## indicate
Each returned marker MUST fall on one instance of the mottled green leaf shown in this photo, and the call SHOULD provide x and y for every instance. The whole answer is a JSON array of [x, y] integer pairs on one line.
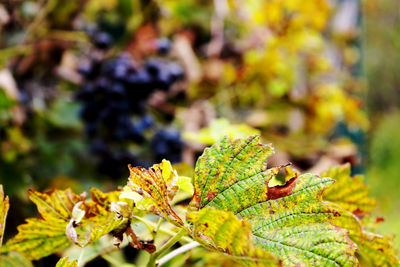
[[231, 175], [64, 262], [290, 221]]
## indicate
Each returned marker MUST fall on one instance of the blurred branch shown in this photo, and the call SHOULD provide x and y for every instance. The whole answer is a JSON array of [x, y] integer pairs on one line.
[[11, 52], [48, 7], [221, 10], [71, 36]]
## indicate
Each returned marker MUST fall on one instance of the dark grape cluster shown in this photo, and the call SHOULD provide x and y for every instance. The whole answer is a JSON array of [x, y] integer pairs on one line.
[[114, 96], [167, 145]]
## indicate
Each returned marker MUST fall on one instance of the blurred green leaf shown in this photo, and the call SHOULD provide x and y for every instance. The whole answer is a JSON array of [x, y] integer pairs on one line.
[[64, 114]]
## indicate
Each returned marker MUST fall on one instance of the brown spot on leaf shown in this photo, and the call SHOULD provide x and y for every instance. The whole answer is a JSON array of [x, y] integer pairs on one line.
[[359, 213], [280, 191], [379, 219], [336, 214], [211, 195]]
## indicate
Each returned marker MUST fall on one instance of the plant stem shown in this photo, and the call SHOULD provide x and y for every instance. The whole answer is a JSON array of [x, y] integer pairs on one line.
[[165, 247], [176, 252], [81, 257], [155, 230], [163, 229]]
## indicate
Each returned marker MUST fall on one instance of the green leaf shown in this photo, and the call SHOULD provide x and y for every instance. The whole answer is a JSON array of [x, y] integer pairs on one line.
[[5, 102], [14, 259], [64, 262], [235, 170], [290, 221], [64, 114], [348, 192], [4, 206]]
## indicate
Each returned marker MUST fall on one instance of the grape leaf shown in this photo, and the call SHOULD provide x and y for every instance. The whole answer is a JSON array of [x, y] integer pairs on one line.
[[151, 189], [95, 219], [40, 237], [352, 196], [224, 232], [65, 217], [4, 206], [290, 221], [378, 249], [64, 262], [349, 193]]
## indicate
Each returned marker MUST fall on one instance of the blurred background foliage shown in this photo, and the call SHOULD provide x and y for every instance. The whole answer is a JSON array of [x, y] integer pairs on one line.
[[87, 87], [381, 52]]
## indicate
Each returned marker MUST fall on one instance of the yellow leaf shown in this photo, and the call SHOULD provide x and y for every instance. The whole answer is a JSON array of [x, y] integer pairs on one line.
[[96, 218], [353, 200], [40, 237], [156, 186], [4, 206], [64, 262], [66, 217], [55, 205], [348, 192], [218, 129], [224, 232], [185, 184], [14, 259]]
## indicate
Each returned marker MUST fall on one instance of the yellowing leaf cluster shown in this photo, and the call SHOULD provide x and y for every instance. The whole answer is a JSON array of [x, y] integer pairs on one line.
[[240, 208]]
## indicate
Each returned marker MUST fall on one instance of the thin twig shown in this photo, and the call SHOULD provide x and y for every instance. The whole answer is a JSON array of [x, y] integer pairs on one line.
[[176, 252], [165, 247]]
